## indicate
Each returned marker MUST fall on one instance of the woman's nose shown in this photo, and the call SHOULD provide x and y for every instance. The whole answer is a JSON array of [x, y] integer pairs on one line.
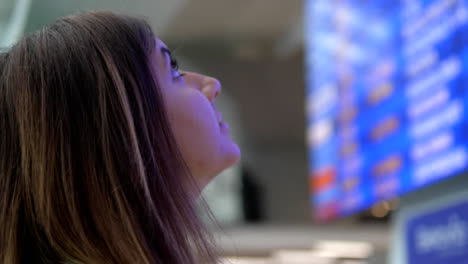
[[211, 88]]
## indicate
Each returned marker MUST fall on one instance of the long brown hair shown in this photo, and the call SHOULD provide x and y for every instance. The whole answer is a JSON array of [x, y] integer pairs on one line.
[[89, 169]]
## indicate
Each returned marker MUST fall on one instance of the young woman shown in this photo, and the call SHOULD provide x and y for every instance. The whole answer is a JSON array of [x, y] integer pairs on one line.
[[105, 146]]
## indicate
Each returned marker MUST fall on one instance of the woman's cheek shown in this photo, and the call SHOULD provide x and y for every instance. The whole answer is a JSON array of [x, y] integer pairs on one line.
[[196, 130]]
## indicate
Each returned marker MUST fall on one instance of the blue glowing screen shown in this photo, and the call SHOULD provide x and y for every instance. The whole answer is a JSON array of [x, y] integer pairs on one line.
[[386, 99]]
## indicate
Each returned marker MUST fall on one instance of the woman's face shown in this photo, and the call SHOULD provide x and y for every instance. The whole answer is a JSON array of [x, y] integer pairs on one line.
[[201, 134]]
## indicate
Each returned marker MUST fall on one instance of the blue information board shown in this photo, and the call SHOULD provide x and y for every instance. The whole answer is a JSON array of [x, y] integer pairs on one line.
[[386, 99], [439, 237]]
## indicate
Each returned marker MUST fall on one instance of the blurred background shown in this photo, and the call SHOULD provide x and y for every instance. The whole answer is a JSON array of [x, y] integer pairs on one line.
[[293, 74]]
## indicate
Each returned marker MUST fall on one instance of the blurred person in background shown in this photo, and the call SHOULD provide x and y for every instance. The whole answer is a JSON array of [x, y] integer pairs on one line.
[[105, 146]]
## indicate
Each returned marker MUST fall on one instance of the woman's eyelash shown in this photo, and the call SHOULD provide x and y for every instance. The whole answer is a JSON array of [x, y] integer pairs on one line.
[[175, 68], [174, 64]]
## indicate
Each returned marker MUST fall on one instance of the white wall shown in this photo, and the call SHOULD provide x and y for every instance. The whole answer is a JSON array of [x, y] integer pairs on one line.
[[14, 15]]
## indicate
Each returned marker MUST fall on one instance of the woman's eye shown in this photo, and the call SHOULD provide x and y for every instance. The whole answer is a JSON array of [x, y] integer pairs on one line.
[[174, 64], [175, 69]]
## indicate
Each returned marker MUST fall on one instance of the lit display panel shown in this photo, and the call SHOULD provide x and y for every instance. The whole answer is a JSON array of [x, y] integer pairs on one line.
[[386, 99]]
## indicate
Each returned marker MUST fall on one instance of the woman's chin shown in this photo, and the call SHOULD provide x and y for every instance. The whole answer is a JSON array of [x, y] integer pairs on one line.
[[229, 157], [232, 155]]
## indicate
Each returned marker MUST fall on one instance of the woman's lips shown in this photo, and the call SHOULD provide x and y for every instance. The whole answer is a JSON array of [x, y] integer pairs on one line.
[[224, 127]]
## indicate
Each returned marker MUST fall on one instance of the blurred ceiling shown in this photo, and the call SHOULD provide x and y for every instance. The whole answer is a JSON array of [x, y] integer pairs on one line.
[[234, 18], [187, 19], [158, 12]]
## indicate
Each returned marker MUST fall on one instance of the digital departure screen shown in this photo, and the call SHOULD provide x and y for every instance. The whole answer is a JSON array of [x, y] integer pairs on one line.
[[386, 99]]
